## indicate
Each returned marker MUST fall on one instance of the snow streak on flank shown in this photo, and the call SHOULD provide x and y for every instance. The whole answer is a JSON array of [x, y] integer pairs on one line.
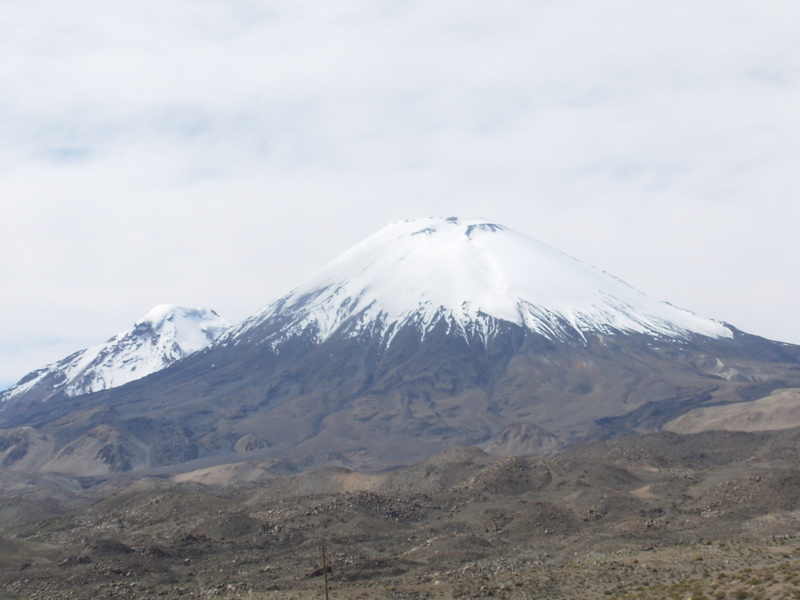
[[470, 274], [164, 335]]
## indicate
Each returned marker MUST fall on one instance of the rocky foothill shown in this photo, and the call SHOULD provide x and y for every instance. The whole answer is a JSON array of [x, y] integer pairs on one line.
[[712, 515]]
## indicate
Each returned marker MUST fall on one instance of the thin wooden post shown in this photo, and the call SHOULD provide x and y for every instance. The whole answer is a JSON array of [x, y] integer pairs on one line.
[[325, 570]]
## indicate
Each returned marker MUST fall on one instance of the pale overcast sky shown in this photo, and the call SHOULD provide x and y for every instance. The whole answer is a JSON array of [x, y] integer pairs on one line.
[[215, 153]]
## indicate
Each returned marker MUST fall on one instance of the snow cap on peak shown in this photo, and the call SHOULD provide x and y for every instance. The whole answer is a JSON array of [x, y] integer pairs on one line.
[[165, 312], [185, 328], [470, 272]]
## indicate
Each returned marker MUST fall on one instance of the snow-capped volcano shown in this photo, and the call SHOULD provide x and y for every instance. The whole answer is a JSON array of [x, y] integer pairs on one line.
[[470, 274], [164, 335], [429, 334]]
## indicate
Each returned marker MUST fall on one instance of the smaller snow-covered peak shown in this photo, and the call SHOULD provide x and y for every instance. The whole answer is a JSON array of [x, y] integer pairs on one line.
[[164, 335], [471, 273]]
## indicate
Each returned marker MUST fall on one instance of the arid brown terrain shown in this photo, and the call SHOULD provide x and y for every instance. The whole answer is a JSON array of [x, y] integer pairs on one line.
[[708, 515]]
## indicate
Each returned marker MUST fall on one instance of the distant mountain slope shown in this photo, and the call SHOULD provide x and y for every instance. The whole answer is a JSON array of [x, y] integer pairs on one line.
[[164, 335], [779, 410]]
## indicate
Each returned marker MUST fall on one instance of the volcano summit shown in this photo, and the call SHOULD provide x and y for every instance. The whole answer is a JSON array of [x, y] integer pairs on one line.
[[431, 333], [471, 275]]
